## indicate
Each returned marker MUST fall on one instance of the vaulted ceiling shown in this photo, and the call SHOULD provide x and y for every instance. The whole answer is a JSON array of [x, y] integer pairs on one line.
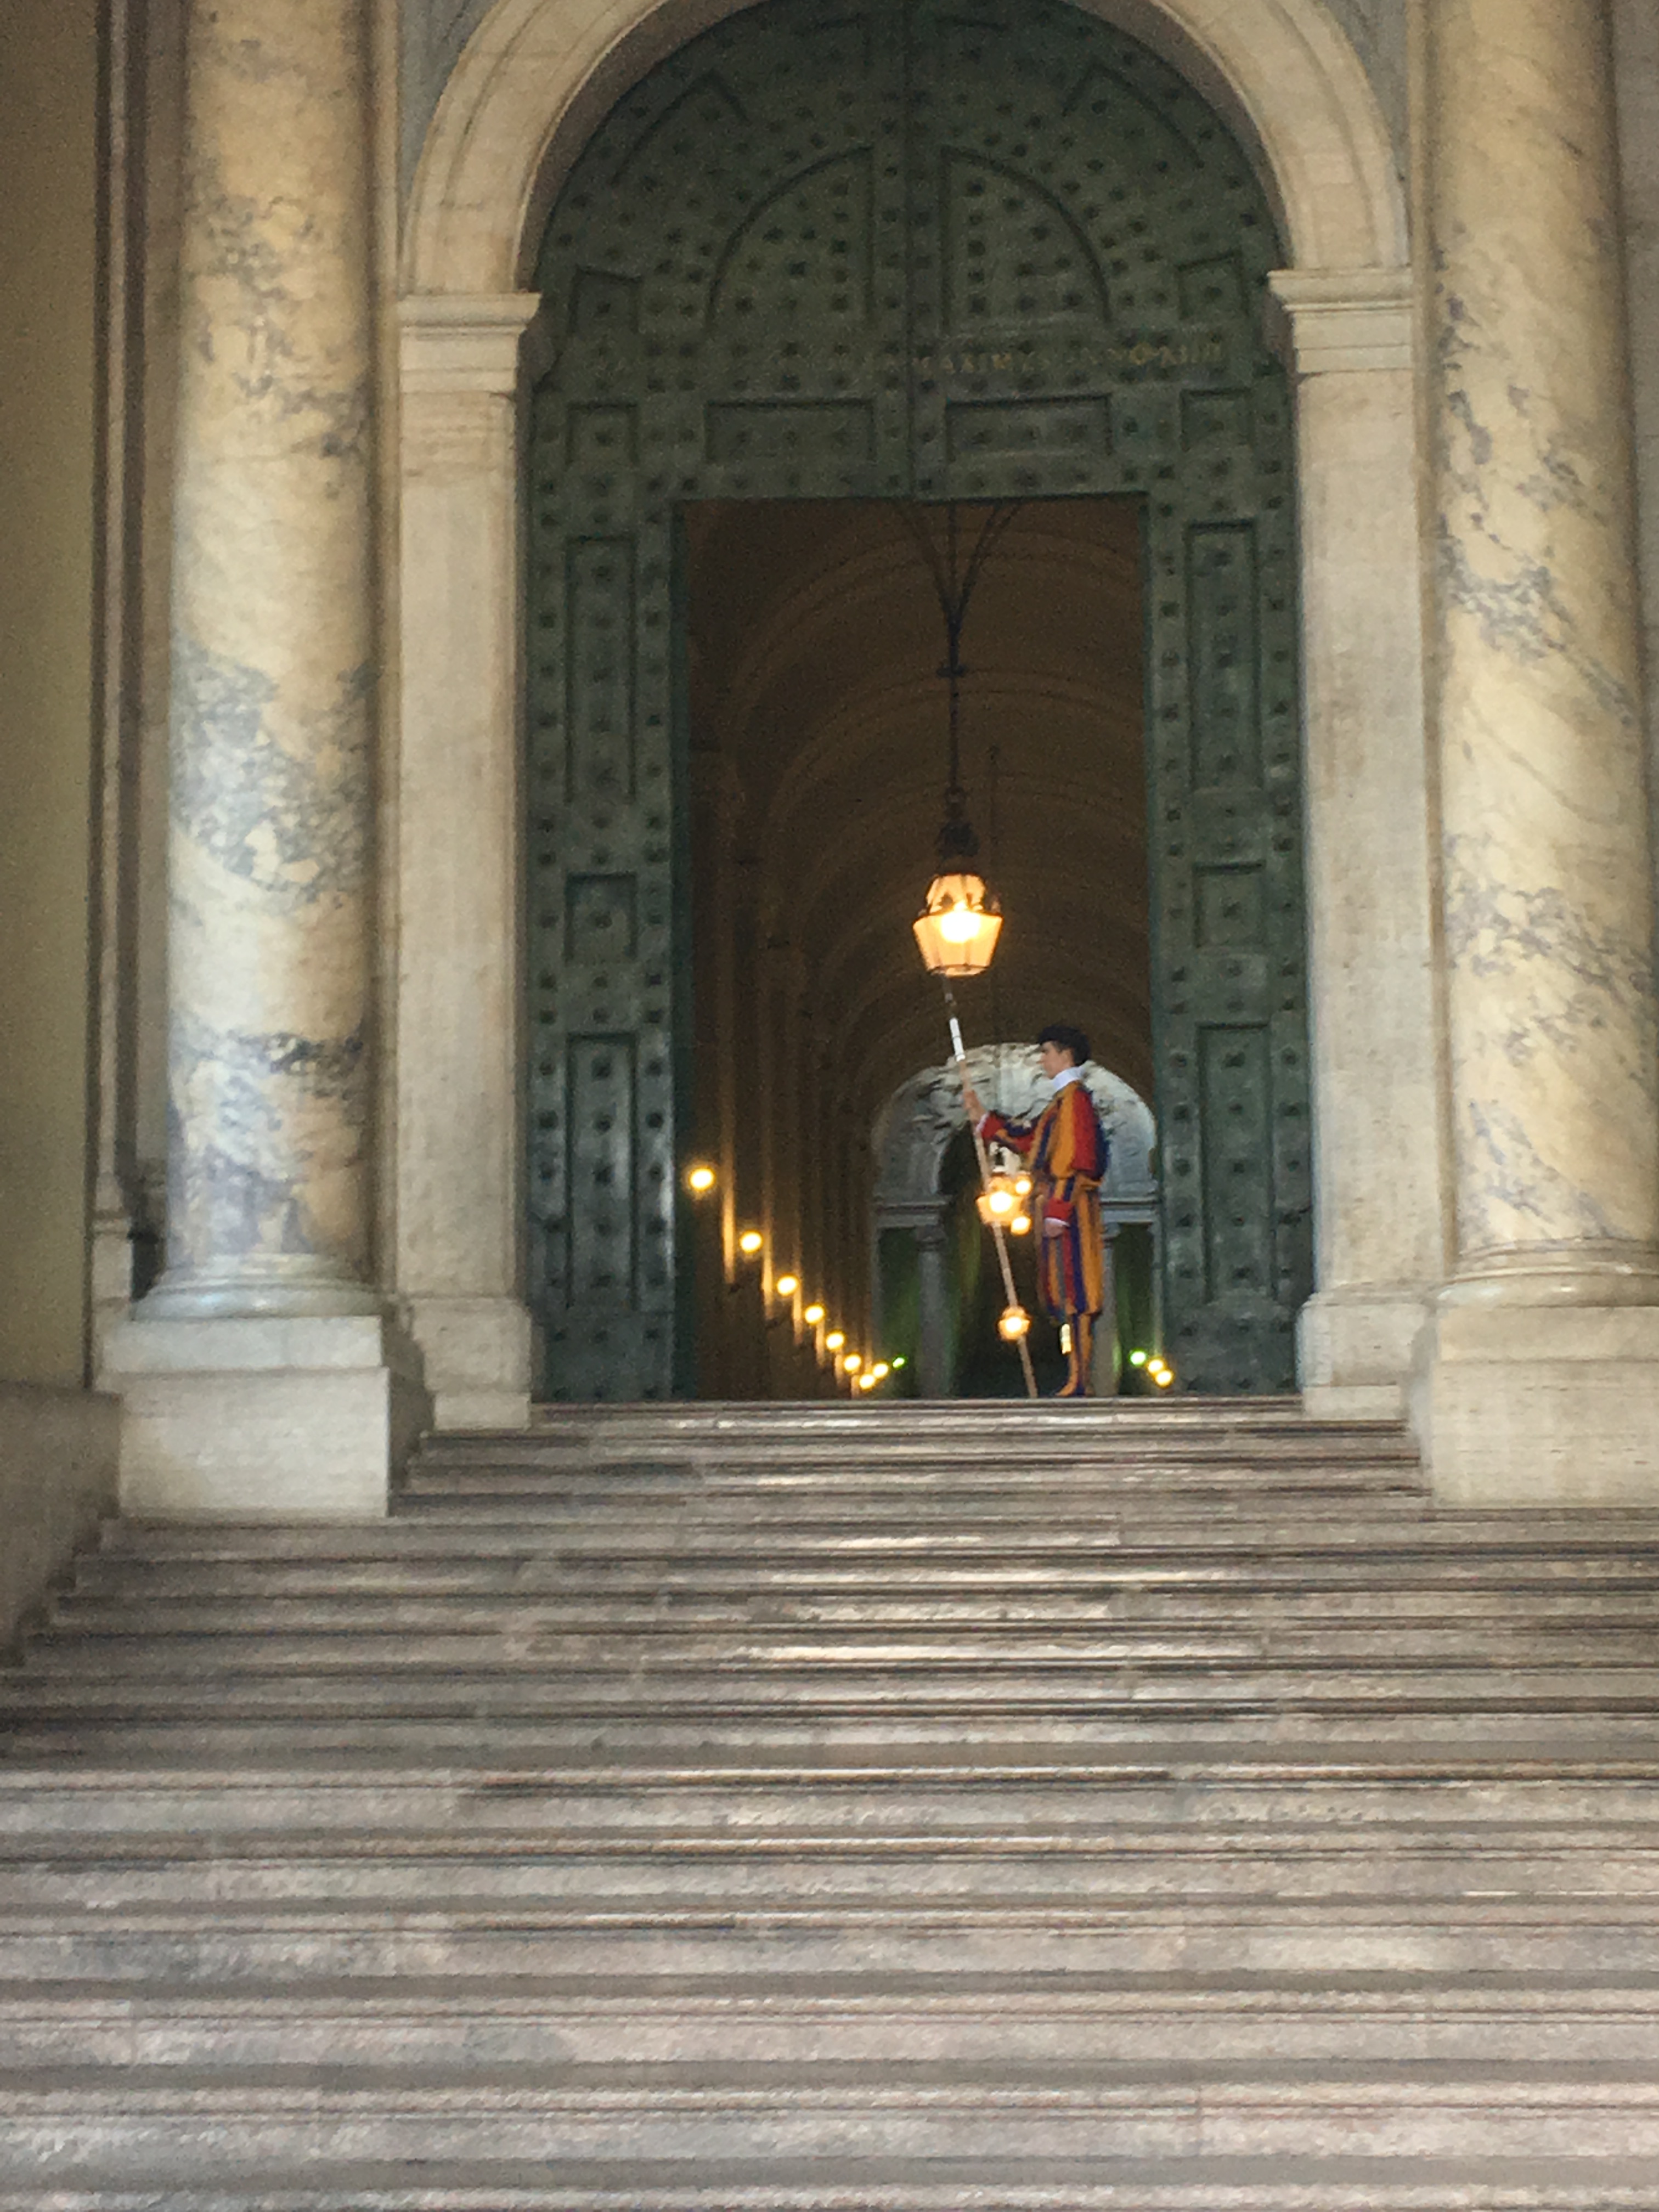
[[815, 640]]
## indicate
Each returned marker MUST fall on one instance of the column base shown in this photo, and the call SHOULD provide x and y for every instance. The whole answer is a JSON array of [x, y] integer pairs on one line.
[[1539, 1405], [257, 1418], [1355, 1349], [478, 1354]]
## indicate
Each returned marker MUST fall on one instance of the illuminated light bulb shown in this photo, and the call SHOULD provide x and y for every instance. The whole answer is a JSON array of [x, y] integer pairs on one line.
[[1023, 1186], [701, 1179], [751, 1242], [866, 1381], [901, 1362], [852, 1362], [1137, 1359], [787, 1285], [880, 1371], [1013, 1324], [997, 1201], [957, 928], [1163, 1378], [1020, 1225], [834, 1341], [813, 1315]]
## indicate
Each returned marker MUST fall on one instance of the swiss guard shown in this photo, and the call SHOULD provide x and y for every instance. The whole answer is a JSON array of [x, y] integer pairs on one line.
[[1066, 1151]]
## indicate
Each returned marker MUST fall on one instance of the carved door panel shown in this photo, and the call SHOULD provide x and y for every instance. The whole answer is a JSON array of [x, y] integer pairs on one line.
[[887, 252]]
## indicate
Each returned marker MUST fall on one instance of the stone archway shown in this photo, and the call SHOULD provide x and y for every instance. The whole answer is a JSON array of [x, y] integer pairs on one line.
[[531, 84], [536, 76]]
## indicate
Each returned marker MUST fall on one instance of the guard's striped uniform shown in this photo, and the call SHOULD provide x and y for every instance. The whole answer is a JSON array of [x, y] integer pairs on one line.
[[1066, 1151]]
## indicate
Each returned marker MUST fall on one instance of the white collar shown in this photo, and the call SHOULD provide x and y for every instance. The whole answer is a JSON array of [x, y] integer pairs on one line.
[[1058, 1083]]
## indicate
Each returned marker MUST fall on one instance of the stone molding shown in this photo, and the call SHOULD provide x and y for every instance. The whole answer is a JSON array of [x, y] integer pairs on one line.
[[459, 344], [463, 361], [1335, 321], [537, 76]]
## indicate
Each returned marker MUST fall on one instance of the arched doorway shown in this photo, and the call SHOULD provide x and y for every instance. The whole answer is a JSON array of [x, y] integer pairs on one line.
[[535, 79], [892, 254]]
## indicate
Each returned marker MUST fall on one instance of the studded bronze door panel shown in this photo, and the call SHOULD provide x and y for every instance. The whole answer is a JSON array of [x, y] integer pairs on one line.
[[911, 251]]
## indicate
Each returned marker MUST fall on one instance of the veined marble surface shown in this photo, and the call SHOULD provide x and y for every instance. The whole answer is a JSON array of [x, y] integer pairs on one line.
[[1547, 897], [271, 783]]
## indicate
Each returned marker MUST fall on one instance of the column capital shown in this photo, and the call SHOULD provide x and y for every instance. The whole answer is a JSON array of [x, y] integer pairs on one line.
[[453, 342], [1325, 321]]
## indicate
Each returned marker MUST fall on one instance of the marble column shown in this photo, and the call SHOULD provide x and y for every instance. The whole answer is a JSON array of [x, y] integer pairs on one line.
[[1543, 1380], [271, 795]]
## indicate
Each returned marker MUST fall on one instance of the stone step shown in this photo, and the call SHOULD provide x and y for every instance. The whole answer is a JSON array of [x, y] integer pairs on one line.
[[1435, 1590], [1340, 2184], [965, 2019], [171, 2120], [909, 1463], [166, 1675], [1204, 1531], [1335, 1783], [919, 1485], [1566, 1544], [285, 1740], [384, 1871], [947, 1436], [1040, 1510], [703, 1933], [1005, 1425], [436, 1592], [138, 1637]]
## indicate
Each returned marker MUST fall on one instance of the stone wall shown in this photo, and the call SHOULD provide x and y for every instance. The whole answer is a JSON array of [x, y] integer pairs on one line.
[[1636, 53], [58, 1458], [48, 269]]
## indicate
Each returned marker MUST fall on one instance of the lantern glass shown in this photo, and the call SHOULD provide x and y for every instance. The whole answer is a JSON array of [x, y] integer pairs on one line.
[[957, 928]]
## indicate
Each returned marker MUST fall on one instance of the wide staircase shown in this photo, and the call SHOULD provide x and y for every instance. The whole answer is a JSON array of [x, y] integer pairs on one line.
[[845, 1809]]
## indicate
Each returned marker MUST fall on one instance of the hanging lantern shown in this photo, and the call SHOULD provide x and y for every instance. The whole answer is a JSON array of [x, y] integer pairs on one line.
[[961, 920], [957, 928]]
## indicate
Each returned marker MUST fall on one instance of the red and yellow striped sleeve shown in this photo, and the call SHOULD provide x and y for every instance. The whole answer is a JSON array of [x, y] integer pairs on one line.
[[1017, 1135]]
